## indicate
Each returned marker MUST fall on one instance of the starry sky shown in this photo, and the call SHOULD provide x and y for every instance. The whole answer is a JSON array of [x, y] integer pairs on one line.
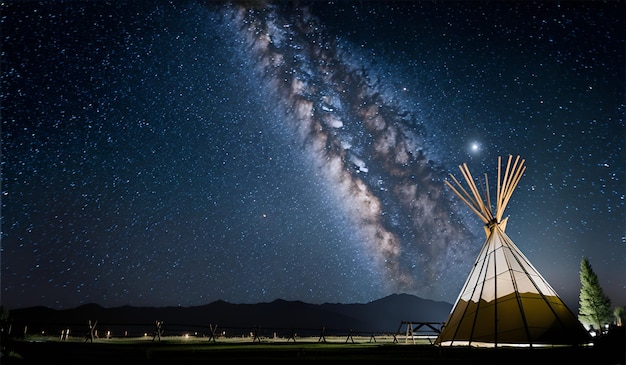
[[174, 153]]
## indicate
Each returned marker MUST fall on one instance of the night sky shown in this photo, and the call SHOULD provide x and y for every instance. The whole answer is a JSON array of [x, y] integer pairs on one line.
[[178, 153]]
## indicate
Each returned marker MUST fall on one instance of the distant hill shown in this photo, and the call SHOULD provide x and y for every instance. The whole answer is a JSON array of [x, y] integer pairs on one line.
[[383, 315]]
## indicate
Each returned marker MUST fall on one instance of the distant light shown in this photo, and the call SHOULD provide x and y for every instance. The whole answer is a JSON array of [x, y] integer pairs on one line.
[[475, 147]]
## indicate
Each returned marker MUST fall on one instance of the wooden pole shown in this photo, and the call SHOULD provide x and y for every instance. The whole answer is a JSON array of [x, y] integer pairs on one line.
[[481, 204]]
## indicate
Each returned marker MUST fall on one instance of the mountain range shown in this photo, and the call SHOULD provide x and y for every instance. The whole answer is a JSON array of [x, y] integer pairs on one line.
[[383, 315]]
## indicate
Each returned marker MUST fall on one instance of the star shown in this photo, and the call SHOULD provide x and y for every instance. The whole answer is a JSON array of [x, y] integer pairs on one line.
[[475, 147]]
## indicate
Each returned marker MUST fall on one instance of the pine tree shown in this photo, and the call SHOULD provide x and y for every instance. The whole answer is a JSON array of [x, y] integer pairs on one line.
[[620, 315], [594, 306]]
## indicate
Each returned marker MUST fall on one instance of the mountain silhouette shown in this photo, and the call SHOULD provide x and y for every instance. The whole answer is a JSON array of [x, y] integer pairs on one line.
[[382, 315]]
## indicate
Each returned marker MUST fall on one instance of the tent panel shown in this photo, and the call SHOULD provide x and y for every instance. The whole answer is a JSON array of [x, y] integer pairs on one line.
[[500, 261], [488, 292], [458, 313], [493, 242], [509, 315], [459, 325], [485, 326], [524, 283], [538, 312], [465, 329], [490, 271], [542, 285], [513, 263], [504, 284], [472, 284], [517, 335], [555, 301]]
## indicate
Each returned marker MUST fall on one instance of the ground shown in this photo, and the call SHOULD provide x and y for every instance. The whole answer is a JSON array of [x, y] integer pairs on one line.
[[336, 350]]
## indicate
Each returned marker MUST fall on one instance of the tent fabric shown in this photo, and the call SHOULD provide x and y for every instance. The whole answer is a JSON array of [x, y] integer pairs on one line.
[[505, 301]]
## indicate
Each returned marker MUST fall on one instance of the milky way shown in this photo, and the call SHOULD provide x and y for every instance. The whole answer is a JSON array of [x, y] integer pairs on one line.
[[180, 153], [372, 153]]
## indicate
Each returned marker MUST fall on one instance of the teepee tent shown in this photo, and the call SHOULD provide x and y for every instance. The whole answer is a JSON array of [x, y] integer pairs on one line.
[[505, 301]]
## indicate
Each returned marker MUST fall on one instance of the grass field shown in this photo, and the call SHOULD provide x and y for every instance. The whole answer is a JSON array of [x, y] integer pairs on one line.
[[336, 350]]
